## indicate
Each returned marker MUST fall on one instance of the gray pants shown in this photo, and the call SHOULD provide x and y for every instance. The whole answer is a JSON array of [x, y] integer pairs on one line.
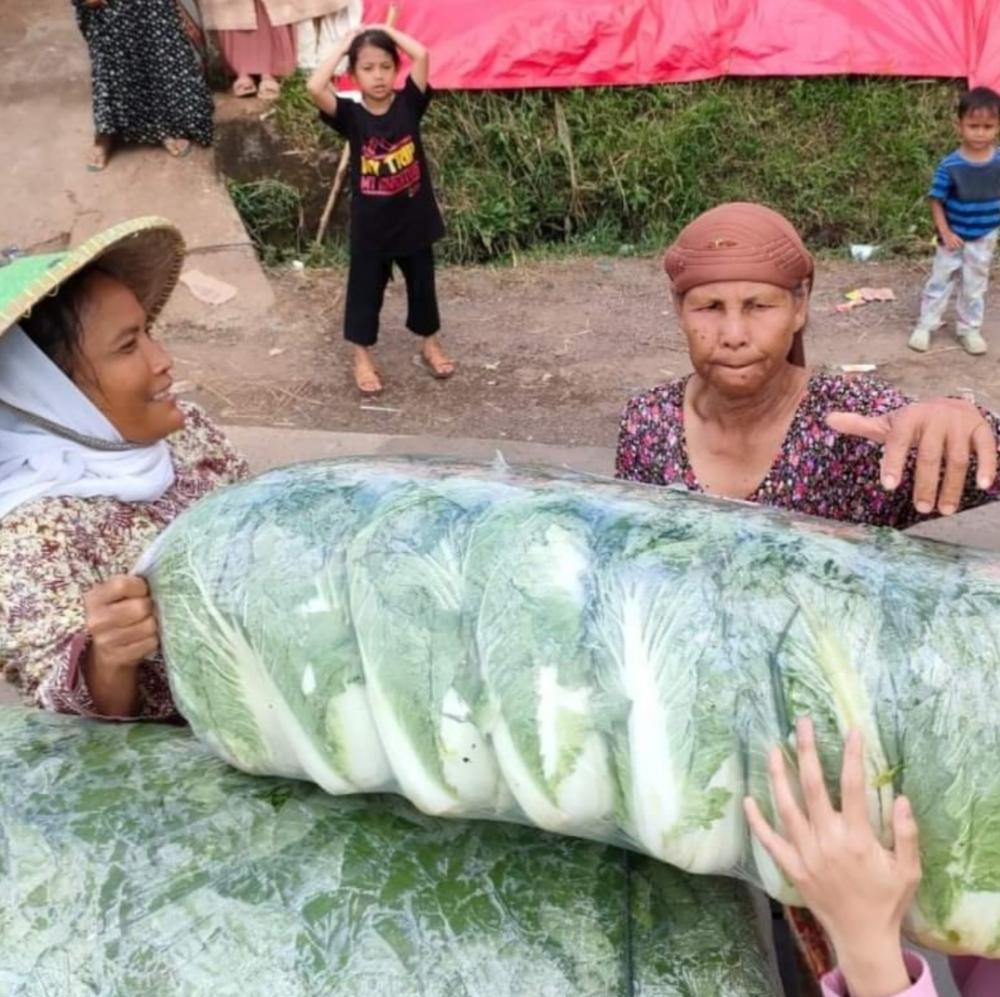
[[969, 267]]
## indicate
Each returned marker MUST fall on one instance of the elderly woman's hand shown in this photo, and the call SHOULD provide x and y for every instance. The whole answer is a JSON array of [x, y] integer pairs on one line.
[[858, 890], [123, 633], [945, 432]]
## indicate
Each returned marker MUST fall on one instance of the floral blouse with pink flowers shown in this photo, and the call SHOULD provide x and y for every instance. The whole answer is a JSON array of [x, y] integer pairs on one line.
[[817, 471], [53, 550]]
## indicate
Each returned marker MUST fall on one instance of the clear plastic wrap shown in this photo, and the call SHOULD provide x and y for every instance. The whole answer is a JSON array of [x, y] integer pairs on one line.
[[134, 864], [603, 660]]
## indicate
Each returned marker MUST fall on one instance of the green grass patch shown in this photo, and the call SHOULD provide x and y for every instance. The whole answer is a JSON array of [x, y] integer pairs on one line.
[[272, 213], [623, 169], [271, 210]]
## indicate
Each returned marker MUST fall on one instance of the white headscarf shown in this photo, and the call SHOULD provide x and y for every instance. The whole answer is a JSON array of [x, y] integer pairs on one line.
[[35, 462]]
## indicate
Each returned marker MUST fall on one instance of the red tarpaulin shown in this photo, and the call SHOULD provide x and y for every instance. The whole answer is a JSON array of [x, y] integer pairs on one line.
[[500, 44]]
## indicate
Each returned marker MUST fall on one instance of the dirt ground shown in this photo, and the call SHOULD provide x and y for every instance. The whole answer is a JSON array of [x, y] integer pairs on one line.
[[547, 351]]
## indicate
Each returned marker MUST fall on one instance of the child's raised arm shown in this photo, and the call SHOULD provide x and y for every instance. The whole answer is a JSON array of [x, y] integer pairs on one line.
[[419, 56], [322, 93]]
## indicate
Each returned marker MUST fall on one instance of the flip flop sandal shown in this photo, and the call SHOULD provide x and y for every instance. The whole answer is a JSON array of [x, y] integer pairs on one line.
[[437, 373], [244, 88]]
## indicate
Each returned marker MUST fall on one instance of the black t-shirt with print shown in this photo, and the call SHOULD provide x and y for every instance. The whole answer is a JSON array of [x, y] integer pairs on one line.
[[393, 210]]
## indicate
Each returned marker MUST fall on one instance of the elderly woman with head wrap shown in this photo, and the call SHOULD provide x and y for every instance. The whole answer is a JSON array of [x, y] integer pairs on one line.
[[97, 456], [753, 422]]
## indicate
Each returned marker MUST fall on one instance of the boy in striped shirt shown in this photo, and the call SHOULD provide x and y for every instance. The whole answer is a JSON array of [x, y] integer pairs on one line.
[[965, 205]]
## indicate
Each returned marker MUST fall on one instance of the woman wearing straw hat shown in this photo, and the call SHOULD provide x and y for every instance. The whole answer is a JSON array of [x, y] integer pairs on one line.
[[97, 456]]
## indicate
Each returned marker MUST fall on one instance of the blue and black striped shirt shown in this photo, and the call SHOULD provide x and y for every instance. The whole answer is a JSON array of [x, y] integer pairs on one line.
[[970, 193]]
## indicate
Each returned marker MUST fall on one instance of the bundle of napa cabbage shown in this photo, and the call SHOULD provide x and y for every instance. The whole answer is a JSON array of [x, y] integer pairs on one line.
[[605, 660], [414, 621]]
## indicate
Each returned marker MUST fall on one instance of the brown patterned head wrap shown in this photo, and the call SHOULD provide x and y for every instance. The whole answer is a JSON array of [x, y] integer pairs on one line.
[[740, 241]]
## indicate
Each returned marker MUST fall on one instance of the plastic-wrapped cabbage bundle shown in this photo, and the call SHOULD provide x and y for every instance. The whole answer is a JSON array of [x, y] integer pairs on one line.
[[134, 864], [604, 660]]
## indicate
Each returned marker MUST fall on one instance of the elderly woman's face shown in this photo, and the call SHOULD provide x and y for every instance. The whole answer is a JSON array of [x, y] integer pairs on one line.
[[739, 333], [120, 368]]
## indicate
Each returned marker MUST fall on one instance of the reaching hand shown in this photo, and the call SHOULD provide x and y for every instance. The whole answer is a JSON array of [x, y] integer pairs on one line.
[[945, 433], [858, 890]]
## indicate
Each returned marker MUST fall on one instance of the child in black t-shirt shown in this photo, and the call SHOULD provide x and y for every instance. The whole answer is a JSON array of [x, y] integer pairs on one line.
[[394, 215]]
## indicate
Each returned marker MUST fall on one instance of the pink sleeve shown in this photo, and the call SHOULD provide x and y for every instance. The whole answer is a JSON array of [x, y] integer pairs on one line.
[[834, 984]]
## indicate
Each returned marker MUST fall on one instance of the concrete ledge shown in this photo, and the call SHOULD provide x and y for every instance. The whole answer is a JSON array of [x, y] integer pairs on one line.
[[266, 447], [975, 528]]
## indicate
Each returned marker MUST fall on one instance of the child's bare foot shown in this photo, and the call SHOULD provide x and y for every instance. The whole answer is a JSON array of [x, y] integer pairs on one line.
[[434, 358], [366, 376]]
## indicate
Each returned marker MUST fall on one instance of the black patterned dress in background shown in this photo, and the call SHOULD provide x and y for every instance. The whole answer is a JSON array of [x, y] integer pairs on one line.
[[146, 74]]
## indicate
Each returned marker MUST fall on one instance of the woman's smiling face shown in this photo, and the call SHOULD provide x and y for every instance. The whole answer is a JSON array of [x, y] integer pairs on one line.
[[118, 365], [740, 333]]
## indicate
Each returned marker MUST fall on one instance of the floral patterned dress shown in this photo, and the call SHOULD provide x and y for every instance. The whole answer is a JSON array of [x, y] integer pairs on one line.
[[53, 550], [147, 82], [817, 472]]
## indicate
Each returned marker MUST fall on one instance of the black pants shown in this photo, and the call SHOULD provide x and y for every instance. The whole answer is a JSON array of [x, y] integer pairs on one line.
[[366, 283]]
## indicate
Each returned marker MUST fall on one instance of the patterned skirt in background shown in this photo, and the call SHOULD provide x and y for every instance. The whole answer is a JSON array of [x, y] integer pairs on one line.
[[146, 74]]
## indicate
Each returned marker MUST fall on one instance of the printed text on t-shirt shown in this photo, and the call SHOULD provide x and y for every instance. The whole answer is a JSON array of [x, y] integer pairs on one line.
[[389, 169]]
